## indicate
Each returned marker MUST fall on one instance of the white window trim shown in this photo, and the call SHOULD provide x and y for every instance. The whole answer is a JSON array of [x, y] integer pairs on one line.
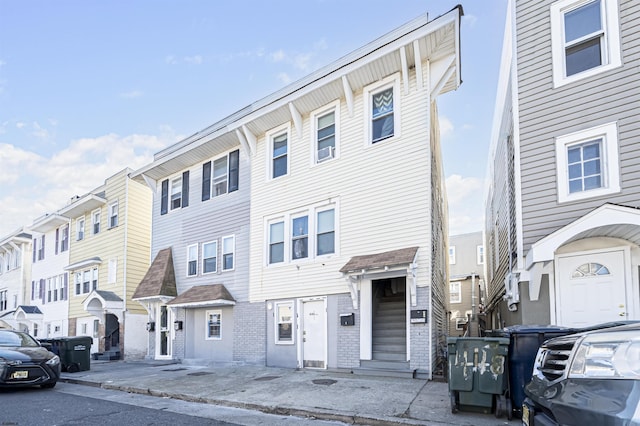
[[111, 215], [215, 242], [460, 322], [612, 56], [270, 135], [480, 254], [368, 91], [206, 328], [459, 298], [170, 193], [189, 260], [276, 322], [332, 107], [212, 184], [93, 217], [268, 222], [78, 228], [233, 251], [610, 166], [452, 255], [310, 239], [316, 212]]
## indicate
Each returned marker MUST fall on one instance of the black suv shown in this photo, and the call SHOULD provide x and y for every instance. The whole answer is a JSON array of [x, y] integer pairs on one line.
[[590, 378]]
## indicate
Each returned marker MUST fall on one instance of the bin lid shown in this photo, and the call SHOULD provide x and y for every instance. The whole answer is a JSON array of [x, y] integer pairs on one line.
[[523, 329]]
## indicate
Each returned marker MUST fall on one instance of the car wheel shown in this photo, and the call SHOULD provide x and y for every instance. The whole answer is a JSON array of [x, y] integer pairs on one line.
[[48, 385]]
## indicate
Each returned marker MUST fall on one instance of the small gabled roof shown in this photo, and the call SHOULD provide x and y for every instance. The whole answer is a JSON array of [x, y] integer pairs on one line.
[[160, 279], [203, 295], [29, 309], [387, 259]]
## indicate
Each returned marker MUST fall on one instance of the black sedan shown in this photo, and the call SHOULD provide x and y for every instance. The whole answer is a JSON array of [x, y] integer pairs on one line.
[[24, 362]]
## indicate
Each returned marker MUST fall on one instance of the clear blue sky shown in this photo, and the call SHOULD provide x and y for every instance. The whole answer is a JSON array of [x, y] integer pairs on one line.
[[90, 87]]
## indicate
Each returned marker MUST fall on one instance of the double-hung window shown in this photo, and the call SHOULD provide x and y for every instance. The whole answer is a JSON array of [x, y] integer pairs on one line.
[[228, 250], [41, 248], [325, 132], [209, 257], [326, 232], [585, 38], [382, 106], [284, 323], [276, 242], [221, 175], [480, 255], [80, 229], [94, 279], [455, 295], [95, 221], [86, 281], [113, 215], [192, 260], [64, 241], [4, 297], [452, 255], [214, 325], [588, 163], [280, 145], [300, 237], [174, 193]]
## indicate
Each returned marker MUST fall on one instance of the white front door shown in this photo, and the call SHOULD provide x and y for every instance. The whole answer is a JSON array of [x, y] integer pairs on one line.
[[163, 333], [591, 289], [314, 336]]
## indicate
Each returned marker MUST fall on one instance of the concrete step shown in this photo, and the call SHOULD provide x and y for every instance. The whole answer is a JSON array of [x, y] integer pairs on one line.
[[381, 372], [388, 365]]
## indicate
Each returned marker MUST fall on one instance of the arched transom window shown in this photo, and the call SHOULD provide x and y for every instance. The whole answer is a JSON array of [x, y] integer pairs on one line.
[[591, 269]]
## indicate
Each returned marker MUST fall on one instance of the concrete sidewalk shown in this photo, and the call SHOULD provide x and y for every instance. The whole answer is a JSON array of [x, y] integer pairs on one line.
[[317, 394]]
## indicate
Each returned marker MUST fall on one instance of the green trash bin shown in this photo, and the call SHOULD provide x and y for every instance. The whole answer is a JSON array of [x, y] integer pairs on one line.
[[478, 374], [75, 353]]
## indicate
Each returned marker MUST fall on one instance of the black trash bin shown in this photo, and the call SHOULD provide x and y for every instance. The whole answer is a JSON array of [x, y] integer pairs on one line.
[[524, 341], [51, 344], [75, 353]]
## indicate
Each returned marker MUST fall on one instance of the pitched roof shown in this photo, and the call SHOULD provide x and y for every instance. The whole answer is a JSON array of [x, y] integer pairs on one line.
[[391, 258], [160, 279], [30, 309], [204, 295]]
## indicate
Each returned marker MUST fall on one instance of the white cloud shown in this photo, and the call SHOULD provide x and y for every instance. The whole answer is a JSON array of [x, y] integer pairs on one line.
[[193, 60], [32, 185], [170, 59], [466, 204], [278, 56], [284, 78], [469, 20], [446, 127], [20, 124], [131, 95]]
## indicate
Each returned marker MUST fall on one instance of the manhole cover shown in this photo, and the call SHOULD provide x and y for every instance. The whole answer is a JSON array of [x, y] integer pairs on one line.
[[325, 382], [175, 369], [200, 373], [266, 378]]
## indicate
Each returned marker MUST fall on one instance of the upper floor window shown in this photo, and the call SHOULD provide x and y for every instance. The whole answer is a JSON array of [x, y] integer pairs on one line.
[[228, 250], [113, 214], [276, 242], [585, 38], [192, 260], [455, 296], [86, 281], [80, 228], [64, 239], [299, 237], [480, 255], [95, 221], [4, 297], [278, 151], [588, 163], [326, 231], [452, 255], [40, 244], [209, 257], [174, 193], [221, 175], [325, 132], [382, 110]]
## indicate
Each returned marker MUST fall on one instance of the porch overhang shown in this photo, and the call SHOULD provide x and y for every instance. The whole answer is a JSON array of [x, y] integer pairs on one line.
[[101, 302], [82, 204], [608, 220], [381, 265], [28, 313], [86, 263], [49, 222], [203, 296]]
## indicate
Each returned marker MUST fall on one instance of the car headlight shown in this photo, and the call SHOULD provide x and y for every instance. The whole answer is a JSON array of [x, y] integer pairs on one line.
[[613, 355], [54, 361]]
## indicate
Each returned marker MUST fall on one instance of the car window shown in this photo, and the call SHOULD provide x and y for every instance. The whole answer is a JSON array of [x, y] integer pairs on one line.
[[10, 338]]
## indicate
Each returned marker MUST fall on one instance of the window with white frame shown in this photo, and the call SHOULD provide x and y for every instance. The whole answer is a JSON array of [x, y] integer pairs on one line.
[[455, 295], [192, 260], [41, 241], [276, 242], [49, 290], [228, 250], [480, 255], [86, 281], [452, 255], [382, 110], [4, 297], [284, 323], [221, 175], [113, 214], [588, 163], [325, 132], [95, 221], [299, 237], [214, 325], [96, 328], [94, 279], [279, 151], [326, 232], [585, 38], [209, 257], [80, 228], [64, 238], [176, 193]]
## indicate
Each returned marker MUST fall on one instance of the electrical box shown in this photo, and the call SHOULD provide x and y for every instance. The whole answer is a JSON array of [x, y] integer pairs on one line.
[[418, 316], [348, 319]]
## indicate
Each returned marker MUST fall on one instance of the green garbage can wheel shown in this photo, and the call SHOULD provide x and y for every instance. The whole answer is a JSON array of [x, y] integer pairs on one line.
[[454, 402], [500, 405], [73, 368]]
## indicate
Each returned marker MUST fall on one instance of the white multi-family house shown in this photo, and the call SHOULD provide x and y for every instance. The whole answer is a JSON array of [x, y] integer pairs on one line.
[[49, 290], [196, 291], [562, 217], [15, 277]]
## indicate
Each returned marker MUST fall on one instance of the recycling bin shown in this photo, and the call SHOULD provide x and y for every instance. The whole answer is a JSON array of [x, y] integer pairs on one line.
[[477, 374], [75, 353], [52, 345], [524, 341]]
